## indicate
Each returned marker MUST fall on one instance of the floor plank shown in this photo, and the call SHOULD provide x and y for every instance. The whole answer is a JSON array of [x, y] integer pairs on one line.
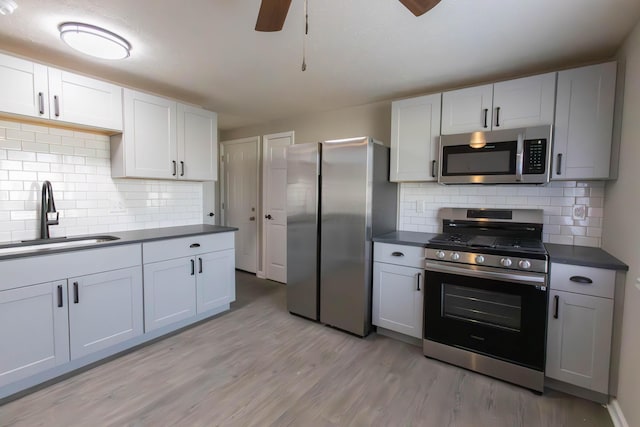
[[257, 365]]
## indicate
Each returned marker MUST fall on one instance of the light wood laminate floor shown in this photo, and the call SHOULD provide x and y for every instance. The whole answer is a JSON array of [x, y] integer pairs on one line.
[[260, 366]]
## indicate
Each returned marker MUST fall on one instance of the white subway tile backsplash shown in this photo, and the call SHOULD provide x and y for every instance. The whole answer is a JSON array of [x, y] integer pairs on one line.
[[557, 200], [88, 199]]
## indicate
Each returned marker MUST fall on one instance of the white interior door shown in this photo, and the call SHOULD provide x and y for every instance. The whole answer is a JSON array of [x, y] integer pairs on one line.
[[275, 205], [240, 160]]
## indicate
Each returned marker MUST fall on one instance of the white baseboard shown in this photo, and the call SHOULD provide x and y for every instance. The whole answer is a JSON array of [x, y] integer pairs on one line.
[[261, 275], [615, 412]]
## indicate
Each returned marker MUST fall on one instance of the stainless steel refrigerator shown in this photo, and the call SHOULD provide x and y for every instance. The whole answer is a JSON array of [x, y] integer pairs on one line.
[[338, 197]]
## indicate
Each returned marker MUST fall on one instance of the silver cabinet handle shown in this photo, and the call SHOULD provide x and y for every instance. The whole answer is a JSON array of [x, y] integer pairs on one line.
[[41, 102], [56, 105], [418, 282]]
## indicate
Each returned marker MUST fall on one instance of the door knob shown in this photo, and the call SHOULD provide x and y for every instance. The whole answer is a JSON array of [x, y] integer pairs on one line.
[[211, 214], [252, 218], [268, 216]]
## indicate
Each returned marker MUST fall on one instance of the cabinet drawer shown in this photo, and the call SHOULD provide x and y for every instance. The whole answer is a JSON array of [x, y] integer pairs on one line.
[[186, 246], [602, 280], [411, 256]]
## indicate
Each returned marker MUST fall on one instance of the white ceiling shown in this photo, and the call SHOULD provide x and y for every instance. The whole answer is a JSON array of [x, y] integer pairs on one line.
[[358, 51]]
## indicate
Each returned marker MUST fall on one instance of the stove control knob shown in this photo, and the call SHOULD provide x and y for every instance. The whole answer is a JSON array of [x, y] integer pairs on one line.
[[525, 264], [455, 256], [480, 259], [506, 262], [440, 254]]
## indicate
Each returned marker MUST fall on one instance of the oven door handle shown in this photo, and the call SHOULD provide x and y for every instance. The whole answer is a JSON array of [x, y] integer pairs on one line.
[[484, 274]]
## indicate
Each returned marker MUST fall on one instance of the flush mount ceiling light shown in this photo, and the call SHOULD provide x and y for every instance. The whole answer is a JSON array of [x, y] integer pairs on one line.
[[7, 7], [94, 41]]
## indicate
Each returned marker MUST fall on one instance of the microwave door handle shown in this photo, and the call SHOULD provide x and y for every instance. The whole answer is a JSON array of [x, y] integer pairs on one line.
[[520, 157]]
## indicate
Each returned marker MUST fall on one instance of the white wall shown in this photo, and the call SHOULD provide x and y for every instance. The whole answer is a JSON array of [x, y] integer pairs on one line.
[[621, 234], [88, 199], [420, 202], [366, 120]]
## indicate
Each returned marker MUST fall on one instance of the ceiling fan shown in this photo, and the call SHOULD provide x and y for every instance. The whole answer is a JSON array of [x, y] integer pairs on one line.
[[273, 12]]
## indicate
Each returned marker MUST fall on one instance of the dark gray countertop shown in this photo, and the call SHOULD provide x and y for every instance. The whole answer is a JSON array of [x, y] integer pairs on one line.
[[409, 238], [583, 255], [128, 237]]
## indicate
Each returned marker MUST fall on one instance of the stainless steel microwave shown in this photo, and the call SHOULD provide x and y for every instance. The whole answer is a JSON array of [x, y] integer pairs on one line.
[[511, 156]]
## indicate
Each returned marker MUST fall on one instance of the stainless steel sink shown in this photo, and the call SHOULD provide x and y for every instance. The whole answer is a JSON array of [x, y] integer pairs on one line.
[[58, 243]]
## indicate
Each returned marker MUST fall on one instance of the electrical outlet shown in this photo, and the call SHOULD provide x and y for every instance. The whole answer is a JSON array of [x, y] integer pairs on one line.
[[579, 212], [421, 206]]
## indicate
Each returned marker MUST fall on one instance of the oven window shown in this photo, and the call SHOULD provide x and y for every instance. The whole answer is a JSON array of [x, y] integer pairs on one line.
[[490, 308]]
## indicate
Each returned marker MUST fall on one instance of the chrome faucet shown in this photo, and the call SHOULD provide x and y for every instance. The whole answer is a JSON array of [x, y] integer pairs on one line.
[[47, 206]]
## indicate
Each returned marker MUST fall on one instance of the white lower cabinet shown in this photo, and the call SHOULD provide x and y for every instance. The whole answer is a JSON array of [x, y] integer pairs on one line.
[[187, 276], [104, 309], [398, 293], [34, 330], [169, 292], [398, 298], [215, 283], [580, 326]]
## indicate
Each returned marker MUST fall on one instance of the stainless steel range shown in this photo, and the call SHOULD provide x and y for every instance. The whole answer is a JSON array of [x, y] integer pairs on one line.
[[486, 293]]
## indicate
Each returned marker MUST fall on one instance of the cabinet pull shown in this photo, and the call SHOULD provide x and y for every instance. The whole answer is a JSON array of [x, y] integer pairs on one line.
[[194, 245], [486, 114], [559, 164], [181, 168], [397, 254], [40, 102], [175, 168], [193, 267], [556, 300], [200, 268], [418, 281], [76, 294], [56, 105], [433, 168], [497, 116], [581, 279], [60, 296]]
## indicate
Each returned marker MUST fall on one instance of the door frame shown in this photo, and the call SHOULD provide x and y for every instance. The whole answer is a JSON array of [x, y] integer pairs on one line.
[[265, 150], [223, 192]]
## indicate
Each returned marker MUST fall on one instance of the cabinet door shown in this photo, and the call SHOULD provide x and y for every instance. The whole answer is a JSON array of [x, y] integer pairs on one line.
[[415, 130], [104, 309], [169, 292], [197, 143], [34, 330], [467, 110], [524, 102], [23, 87], [215, 283], [579, 340], [149, 136], [85, 101], [398, 298], [584, 122]]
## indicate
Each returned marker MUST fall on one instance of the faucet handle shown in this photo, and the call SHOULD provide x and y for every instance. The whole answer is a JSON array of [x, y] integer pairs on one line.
[[52, 221]]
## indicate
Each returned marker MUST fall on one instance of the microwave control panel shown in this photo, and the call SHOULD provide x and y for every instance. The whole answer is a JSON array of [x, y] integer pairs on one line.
[[535, 154]]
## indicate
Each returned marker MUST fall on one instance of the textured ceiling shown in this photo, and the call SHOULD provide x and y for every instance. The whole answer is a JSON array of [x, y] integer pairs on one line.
[[358, 51]]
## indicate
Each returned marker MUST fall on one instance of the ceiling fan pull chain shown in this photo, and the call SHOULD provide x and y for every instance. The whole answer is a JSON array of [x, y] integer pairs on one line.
[[304, 40]]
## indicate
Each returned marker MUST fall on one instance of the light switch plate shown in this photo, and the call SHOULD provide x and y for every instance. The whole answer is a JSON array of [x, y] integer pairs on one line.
[[579, 212]]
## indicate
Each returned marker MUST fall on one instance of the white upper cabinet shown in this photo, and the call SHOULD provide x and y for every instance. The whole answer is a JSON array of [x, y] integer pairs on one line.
[[584, 122], [166, 140], [197, 143], [511, 104], [23, 87], [34, 90], [467, 110], [415, 131], [85, 101]]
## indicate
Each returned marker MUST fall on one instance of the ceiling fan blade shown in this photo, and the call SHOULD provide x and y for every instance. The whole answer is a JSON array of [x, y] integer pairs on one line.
[[419, 7], [272, 15]]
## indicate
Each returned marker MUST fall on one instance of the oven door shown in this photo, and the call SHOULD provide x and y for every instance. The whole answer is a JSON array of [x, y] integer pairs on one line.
[[494, 312]]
